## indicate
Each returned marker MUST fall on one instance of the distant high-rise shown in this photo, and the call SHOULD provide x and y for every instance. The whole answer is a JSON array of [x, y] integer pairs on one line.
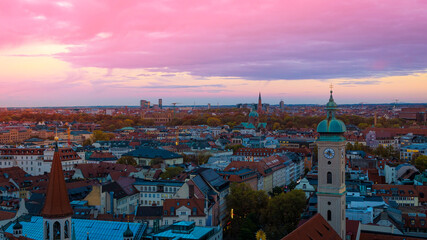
[[209, 106], [160, 103], [145, 104], [282, 105]]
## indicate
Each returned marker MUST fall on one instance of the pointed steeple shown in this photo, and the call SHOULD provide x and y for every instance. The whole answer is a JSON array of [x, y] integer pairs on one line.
[[57, 203], [259, 109]]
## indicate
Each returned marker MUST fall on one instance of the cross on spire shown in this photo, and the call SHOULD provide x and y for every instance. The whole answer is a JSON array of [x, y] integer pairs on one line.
[[331, 86]]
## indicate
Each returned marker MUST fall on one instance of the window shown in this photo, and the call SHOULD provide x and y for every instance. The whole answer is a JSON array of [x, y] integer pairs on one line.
[[200, 222], [56, 230], [194, 211], [66, 229], [172, 211], [329, 215], [329, 178], [304, 186], [47, 235]]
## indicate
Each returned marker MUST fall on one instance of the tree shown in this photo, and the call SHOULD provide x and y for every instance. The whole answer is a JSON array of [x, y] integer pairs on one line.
[[246, 204], [128, 160], [171, 172], [213, 121], [420, 162], [275, 191], [99, 135], [292, 185], [362, 125], [87, 142], [282, 214], [234, 147]]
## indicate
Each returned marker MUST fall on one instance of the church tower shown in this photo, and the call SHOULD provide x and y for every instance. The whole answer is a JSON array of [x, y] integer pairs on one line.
[[331, 189], [259, 107], [57, 210]]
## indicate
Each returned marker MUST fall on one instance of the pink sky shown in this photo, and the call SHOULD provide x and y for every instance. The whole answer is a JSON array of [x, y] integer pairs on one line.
[[113, 52]]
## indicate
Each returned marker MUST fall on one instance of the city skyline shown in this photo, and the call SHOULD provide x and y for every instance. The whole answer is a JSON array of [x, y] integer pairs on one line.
[[76, 53]]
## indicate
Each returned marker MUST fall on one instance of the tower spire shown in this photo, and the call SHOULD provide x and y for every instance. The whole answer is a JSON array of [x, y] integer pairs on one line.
[[259, 107], [57, 203]]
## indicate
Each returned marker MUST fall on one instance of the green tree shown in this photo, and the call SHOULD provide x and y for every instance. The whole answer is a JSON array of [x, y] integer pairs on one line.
[[171, 172], [362, 125], [275, 191], [282, 214], [246, 203], [420, 163], [292, 186], [128, 160], [234, 147]]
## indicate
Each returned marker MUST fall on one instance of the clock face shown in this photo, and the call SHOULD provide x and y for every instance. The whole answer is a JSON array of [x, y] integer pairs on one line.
[[329, 153]]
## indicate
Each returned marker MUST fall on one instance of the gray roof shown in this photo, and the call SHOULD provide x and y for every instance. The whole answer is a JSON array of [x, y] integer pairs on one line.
[[151, 153]]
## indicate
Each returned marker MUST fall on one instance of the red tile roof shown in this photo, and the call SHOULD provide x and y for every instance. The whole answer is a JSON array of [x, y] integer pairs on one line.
[[188, 203], [384, 236], [315, 228], [57, 203]]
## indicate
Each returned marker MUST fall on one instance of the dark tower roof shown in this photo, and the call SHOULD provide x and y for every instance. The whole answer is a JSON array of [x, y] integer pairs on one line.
[[17, 226], [57, 203], [128, 232]]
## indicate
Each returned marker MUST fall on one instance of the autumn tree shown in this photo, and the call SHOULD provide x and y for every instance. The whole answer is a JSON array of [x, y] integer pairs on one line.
[[128, 160], [99, 135], [213, 121], [171, 172]]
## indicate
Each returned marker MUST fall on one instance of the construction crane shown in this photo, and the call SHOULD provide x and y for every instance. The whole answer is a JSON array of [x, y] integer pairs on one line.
[[174, 106], [68, 133]]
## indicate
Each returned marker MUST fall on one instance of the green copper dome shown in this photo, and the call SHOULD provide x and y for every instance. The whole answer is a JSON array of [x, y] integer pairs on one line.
[[331, 124], [253, 113]]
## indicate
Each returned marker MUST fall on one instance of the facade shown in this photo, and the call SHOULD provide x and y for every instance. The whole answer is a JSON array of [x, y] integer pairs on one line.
[[37, 161], [154, 193], [14, 136], [408, 152], [331, 191]]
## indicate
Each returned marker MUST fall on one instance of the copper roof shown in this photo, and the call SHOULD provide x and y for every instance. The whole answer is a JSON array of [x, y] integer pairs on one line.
[[57, 203]]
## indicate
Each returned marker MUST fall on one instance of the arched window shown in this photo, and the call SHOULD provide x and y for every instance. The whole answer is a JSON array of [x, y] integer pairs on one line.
[[329, 178], [47, 230], [304, 186], [67, 229], [329, 215], [56, 231]]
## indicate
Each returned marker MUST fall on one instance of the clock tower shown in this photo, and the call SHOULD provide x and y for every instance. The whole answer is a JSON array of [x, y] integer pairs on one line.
[[331, 189]]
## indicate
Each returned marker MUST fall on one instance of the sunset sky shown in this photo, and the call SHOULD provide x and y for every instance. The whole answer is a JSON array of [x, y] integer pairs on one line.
[[110, 52]]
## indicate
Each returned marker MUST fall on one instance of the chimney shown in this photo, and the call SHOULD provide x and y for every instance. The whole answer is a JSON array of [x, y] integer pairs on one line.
[[190, 191]]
